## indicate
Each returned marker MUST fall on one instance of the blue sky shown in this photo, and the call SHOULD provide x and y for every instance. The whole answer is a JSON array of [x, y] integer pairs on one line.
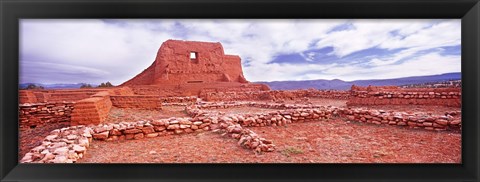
[[94, 51]]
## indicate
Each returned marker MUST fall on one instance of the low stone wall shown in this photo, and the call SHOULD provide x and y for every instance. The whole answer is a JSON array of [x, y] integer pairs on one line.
[[274, 95], [67, 145], [223, 105], [301, 113], [149, 129], [282, 117], [190, 99], [38, 114], [201, 107], [411, 96], [148, 101], [92, 110], [175, 104], [450, 121]]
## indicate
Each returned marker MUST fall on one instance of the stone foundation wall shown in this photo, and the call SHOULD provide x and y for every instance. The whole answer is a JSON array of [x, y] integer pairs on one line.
[[148, 129], [148, 101], [203, 107], [273, 95], [300, 113], [449, 121], [92, 110], [190, 99], [288, 113], [283, 117], [67, 145], [38, 114], [418, 96]]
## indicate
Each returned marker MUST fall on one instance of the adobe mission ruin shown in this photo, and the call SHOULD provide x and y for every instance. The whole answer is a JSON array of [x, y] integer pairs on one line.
[[204, 81]]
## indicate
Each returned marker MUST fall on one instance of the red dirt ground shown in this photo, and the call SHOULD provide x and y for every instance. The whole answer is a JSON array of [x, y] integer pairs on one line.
[[323, 142], [31, 138], [117, 115]]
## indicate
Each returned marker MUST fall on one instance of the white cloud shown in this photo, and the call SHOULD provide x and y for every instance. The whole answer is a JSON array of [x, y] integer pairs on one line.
[[428, 64], [124, 51], [123, 48]]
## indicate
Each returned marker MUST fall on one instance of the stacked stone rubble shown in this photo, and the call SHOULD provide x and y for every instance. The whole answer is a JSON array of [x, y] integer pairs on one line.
[[246, 137], [396, 96], [65, 145], [38, 114], [449, 121], [273, 95]]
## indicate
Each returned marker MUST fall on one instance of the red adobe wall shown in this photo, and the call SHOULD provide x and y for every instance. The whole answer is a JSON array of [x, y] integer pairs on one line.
[[63, 95], [194, 89], [121, 91], [173, 65], [92, 110], [137, 101]]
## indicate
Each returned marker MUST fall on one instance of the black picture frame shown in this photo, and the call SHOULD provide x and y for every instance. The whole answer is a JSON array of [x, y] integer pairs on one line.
[[13, 10]]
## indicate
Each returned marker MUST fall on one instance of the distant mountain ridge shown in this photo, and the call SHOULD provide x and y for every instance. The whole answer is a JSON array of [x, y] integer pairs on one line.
[[337, 84], [56, 85]]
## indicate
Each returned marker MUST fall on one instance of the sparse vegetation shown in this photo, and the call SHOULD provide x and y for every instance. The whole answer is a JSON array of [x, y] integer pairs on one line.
[[291, 150], [32, 86], [107, 84], [444, 84], [85, 85]]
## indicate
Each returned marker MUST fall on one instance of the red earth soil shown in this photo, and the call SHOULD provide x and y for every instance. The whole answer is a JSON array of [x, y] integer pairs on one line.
[[117, 115], [31, 138]]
